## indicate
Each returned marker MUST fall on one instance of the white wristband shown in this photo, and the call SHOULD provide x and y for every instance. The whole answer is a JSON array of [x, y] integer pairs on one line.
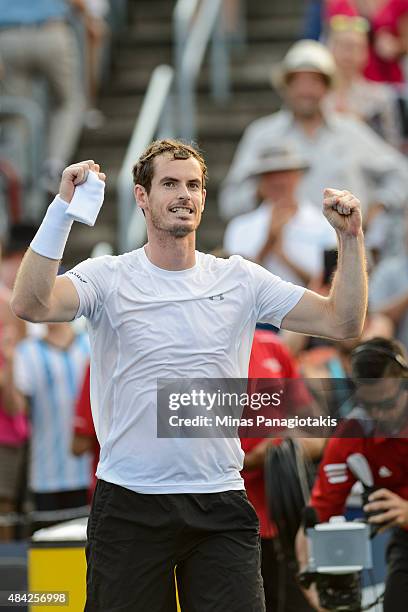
[[87, 200], [52, 235]]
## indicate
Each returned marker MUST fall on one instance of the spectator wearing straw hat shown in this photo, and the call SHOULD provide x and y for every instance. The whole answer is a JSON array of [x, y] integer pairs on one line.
[[341, 151], [286, 234]]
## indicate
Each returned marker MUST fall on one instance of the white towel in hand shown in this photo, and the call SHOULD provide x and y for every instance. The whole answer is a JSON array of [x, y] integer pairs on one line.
[[87, 200]]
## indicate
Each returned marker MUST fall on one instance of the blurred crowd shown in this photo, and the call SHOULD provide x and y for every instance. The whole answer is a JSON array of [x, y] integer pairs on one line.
[[52, 56], [342, 125], [43, 369]]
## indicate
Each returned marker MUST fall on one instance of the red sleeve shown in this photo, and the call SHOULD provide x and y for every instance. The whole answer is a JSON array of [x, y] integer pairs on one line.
[[334, 480], [83, 422]]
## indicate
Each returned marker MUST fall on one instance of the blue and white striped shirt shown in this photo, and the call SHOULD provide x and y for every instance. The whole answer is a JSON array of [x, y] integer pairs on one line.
[[51, 378]]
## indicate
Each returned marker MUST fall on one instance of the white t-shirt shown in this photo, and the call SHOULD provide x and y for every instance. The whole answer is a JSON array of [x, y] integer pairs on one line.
[[304, 238], [147, 323]]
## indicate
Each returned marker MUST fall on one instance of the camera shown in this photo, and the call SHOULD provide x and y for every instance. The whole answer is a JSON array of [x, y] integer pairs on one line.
[[338, 552]]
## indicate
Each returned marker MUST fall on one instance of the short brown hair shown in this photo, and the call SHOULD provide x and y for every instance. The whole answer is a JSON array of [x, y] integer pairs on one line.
[[143, 170]]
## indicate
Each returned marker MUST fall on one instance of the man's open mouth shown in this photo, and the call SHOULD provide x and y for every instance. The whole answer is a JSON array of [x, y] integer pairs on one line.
[[182, 209]]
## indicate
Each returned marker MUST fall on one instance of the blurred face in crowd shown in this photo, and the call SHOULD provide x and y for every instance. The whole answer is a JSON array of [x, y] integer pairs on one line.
[[175, 201], [386, 401], [280, 187], [350, 51], [304, 93]]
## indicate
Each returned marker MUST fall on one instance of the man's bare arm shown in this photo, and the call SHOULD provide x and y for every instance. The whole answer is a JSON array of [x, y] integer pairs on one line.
[[81, 444], [38, 295], [340, 315]]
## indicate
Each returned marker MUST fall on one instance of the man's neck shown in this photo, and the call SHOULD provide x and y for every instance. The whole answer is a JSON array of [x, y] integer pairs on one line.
[[310, 125], [170, 253]]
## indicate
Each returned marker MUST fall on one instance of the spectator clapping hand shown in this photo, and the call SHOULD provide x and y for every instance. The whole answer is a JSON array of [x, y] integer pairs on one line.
[[273, 244]]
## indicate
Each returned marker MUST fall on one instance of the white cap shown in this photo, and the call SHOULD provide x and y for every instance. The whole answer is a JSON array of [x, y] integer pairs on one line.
[[307, 56]]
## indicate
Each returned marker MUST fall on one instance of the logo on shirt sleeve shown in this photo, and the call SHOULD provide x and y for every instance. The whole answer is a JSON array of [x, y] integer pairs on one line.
[[384, 472], [77, 276], [336, 472]]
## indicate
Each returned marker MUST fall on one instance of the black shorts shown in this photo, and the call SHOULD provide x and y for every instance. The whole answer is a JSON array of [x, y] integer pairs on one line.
[[137, 543]]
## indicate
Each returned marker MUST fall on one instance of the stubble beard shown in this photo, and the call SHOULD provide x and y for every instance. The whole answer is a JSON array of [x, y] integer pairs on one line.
[[180, 231], [177, 231]]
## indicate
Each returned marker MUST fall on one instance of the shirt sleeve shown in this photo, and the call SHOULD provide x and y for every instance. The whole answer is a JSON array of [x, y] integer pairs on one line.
[[239, 191], [274, 298], [93, 280], [334, 480]]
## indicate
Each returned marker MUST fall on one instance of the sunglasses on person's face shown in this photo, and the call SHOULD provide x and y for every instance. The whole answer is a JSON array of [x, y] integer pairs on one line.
[[347, 23]]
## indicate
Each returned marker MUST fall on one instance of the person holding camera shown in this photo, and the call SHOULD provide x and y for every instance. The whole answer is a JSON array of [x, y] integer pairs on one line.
[[377, 428]]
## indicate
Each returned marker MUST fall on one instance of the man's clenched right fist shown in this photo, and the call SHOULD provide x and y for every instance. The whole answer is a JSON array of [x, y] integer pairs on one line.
[[76, 174]]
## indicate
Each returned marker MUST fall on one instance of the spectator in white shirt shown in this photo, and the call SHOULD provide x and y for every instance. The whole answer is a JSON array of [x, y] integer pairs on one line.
[[286, 234], [340, 150]]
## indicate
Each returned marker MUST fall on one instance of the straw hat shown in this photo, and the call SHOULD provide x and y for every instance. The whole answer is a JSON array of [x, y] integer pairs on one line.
[[305, 56], [278, 159]]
